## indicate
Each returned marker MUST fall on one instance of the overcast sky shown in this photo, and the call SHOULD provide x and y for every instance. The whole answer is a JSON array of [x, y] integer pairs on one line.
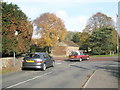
[[74, 13]]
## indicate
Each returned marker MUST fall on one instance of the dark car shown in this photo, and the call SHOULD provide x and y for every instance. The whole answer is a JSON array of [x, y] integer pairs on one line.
[[76, 55], [37, 61]]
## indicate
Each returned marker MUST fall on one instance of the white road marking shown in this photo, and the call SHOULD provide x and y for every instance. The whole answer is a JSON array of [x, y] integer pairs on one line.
[[73, 63], [29, 80], [113, 65], [89, 80], [58, 63]]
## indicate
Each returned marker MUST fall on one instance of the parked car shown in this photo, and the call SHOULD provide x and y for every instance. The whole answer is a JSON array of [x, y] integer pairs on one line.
[[76, 55], [37, 61]]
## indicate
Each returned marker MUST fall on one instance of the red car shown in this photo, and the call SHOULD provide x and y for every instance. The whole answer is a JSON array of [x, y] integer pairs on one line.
[[76, 55]]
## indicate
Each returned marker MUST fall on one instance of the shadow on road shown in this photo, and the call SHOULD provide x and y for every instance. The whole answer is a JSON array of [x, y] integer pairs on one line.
[[68, 60], [112, 68], [79, 67]]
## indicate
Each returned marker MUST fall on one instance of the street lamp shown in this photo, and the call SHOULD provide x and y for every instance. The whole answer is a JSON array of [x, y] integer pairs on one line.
[[16, 33]]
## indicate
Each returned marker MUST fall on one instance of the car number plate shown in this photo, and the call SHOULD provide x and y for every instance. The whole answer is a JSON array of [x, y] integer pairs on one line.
[[72, 57], [30, 61]]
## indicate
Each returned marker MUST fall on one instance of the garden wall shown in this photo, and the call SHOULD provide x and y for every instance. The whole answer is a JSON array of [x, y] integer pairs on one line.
[[9, 62]]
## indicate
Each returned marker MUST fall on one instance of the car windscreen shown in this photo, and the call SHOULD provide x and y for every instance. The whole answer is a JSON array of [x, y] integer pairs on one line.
[[74, 53], [32, 56], [81, 53]]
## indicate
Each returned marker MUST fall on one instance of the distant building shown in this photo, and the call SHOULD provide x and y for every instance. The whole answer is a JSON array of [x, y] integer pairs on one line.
[[64, 48]]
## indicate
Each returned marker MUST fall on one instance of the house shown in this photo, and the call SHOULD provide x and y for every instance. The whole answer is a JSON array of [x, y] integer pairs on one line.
[[64, 48]]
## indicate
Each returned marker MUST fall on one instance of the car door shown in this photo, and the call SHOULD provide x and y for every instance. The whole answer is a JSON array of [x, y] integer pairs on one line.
[[50, 60], [46, 60], [83, 56]]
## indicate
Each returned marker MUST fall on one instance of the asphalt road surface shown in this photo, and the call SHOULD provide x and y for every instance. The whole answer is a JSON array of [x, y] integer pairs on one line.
[[65, 74]]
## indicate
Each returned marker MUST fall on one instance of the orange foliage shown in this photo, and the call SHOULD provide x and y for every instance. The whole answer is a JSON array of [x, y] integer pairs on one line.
[[51, 28]]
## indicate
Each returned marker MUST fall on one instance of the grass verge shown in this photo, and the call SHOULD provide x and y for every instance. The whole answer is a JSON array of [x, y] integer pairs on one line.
[[104, 55], [8, 70]]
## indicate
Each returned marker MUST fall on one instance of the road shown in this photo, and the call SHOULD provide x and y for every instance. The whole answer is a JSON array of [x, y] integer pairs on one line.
[[65, 74]]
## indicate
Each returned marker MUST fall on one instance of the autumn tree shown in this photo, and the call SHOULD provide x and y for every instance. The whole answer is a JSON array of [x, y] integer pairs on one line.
[[84, 37], [15, 21], [81, 39], [98, 21], [51, 29]]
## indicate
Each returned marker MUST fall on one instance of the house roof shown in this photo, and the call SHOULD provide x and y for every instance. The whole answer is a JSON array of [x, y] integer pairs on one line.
[[67, 43]]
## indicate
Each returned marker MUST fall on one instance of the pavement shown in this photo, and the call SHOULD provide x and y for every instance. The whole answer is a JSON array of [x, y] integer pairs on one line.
[[103, 79]]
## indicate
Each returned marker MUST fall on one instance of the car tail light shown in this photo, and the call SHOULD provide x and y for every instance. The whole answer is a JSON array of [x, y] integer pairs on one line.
[[39, 61], [75, 56], [70, 56]]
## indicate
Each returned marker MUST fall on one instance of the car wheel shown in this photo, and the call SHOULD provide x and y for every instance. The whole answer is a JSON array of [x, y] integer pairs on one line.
[[80, 59], [23, 69], [53, 64], [44, 67]]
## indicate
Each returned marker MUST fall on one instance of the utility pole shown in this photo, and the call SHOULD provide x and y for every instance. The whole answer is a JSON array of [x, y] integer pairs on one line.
[[118, 26]]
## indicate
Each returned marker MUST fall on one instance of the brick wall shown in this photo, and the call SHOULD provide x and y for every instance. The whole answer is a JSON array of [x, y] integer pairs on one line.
[[63, 50], [59, 50]]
